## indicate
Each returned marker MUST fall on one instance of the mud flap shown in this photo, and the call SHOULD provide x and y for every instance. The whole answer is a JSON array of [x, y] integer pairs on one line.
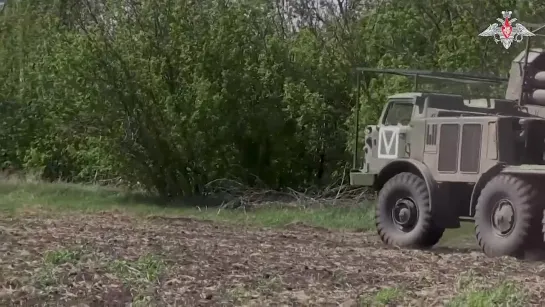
[[444, 213]]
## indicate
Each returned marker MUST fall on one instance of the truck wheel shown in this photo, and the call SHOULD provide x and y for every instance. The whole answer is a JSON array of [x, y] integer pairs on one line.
[[403, 213], [505, 215]]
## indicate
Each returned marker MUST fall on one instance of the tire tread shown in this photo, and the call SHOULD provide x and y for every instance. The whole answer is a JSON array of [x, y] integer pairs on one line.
[[430, 234], [525, 201]]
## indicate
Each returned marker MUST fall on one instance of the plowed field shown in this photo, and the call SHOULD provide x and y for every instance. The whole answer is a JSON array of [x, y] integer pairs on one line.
[[112, 259]]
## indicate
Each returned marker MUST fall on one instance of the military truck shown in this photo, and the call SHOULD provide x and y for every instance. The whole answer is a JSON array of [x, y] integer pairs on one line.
[[438, 159]]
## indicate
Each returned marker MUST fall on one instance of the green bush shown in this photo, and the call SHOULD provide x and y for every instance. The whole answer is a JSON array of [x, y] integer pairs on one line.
[[174, 94]]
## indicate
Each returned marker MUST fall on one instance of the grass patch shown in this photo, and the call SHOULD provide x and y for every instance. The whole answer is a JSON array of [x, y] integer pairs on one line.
[[388, 295], [139, 276], [327, 217], [46, 276], [473, 292], [50, 274], [63, 267], [270, 285], [146, 269], [61, 256], [238, 295], [17, 197], [383, 297]]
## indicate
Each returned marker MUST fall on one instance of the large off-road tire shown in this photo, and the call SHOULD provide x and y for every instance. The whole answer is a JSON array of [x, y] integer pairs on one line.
[[506, 216], [403, 213]]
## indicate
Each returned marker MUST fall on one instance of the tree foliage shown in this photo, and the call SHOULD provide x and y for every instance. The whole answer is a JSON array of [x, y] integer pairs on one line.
[[175, 93]]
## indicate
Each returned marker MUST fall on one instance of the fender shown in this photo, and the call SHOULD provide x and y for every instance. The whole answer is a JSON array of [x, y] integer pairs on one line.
[[483, 180], [444, 215]]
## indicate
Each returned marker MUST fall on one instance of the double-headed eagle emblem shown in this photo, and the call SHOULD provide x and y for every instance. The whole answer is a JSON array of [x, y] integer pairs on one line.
[[507, 30]]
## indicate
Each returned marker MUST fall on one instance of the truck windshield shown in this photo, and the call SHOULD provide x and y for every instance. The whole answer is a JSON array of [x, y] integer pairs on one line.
[[398, 113]]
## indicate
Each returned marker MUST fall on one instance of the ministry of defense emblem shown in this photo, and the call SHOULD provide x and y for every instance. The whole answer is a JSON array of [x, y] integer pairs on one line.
[[507, 30]]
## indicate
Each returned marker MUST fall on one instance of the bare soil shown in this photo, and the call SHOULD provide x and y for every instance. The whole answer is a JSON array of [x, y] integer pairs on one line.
[[197, 263]]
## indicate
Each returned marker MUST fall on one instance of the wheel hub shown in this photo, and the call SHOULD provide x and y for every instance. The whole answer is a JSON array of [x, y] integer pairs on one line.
[[405, 214], [503, 217]]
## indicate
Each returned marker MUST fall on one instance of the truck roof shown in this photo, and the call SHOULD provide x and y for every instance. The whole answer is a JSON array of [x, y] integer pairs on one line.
[[407, 95], [451, 102]]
